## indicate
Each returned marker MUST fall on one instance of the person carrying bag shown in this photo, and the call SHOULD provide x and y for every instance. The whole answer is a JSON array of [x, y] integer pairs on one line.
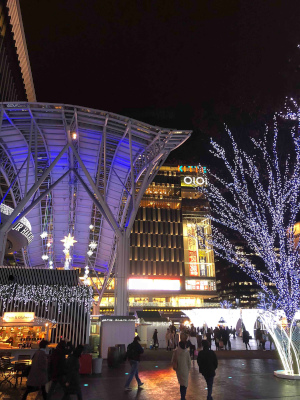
[[181, 363]]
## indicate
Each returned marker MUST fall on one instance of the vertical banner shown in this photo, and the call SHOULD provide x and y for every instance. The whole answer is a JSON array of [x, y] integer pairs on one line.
[[193, 250], [193, 263]]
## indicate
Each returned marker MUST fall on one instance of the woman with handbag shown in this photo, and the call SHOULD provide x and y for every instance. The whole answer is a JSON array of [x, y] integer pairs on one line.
[[181, 362], [38, 374]]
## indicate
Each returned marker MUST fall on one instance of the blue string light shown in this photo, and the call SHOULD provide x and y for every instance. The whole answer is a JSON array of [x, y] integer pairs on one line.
[[260, 199]]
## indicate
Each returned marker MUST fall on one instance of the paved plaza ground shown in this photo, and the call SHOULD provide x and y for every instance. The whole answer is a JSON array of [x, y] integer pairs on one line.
[[242, 375]]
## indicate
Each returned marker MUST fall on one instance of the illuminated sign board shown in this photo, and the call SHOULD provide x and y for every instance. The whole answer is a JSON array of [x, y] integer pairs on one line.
[[200, 285], [193, 181], [23, 226], [191, 168], [18, 316], [153, 284], [24, 230], [193, 249], [194, 271]]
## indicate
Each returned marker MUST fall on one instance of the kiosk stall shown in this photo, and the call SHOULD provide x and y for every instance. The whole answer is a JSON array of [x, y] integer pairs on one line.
[[21, 332]]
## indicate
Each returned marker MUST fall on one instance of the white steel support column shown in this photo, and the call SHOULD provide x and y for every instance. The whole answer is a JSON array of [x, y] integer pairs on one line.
[[122, 272]]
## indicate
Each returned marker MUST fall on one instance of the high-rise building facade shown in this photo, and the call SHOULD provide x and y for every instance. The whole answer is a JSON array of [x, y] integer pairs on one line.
[[171, 263], [16, 83]]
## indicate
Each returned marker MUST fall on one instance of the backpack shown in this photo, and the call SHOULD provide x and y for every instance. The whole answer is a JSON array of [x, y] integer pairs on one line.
[[131, 353]]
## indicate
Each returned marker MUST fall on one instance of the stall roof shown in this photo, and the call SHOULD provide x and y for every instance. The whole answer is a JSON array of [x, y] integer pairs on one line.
[[38, 276], [151, 316]]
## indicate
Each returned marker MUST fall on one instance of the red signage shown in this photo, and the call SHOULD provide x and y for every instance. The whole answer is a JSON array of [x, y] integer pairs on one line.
[[194, 271]]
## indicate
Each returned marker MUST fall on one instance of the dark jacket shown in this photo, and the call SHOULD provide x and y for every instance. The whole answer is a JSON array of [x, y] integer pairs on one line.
[[137, 351], [246, 337], [73, 377], [208, 362], [57, 364], [38, 375]]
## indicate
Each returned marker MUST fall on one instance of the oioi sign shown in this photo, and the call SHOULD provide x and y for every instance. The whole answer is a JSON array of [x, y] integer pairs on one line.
[[193, 181]]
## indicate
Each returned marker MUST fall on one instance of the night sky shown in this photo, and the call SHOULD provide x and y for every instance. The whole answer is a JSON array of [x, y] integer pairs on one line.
[[178, 64]]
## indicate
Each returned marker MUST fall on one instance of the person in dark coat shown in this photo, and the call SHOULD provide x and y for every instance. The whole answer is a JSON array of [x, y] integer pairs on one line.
[[208, 337], [38, 375], [246, 337], [217, 337], [72, 385], [225, 337], [58, 368], [134, 351], [155, 340], [208, 363]]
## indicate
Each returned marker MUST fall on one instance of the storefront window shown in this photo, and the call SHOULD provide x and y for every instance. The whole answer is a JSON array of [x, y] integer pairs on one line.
[[161, 301], [187, 302], [200, 285], [107, 302]]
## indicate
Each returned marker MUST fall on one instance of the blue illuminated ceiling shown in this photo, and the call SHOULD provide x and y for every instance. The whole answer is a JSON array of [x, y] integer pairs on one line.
[[108, 144]]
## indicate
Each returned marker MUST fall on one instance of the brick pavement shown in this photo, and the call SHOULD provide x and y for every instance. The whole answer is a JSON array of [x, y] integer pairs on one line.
[[237, 378]]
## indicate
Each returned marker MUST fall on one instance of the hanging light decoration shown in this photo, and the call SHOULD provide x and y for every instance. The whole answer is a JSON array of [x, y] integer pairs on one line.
[[93, 245], [86, 275], [89, 253], [68, 242], [44, 234], [45, 257]]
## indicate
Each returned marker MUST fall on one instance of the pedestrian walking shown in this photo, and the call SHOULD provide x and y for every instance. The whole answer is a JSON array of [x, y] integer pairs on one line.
[[167, 337], [182, 364], [217, 335], [208, 337], [170, 337], [263, 340], [193, 344], [155, 340], [134, 351], [72, 385], [58, 368], [233, 333], [208, 363], [38, 375], [258, 337], [176, 340], [246, 338], [225, 337]]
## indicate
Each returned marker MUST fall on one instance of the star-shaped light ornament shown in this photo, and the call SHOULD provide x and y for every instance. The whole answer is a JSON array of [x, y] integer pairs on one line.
[[92, 245], [68, 241]]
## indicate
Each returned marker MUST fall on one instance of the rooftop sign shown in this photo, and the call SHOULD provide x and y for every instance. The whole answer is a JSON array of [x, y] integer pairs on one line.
[[193, 181], [191, 168]]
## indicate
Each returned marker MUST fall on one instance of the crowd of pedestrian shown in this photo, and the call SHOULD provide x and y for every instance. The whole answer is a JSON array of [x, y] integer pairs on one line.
[[185, 345], [59, 369]]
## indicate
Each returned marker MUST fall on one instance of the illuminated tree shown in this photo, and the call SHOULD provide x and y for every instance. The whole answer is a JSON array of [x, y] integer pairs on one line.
[[257, 196]]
